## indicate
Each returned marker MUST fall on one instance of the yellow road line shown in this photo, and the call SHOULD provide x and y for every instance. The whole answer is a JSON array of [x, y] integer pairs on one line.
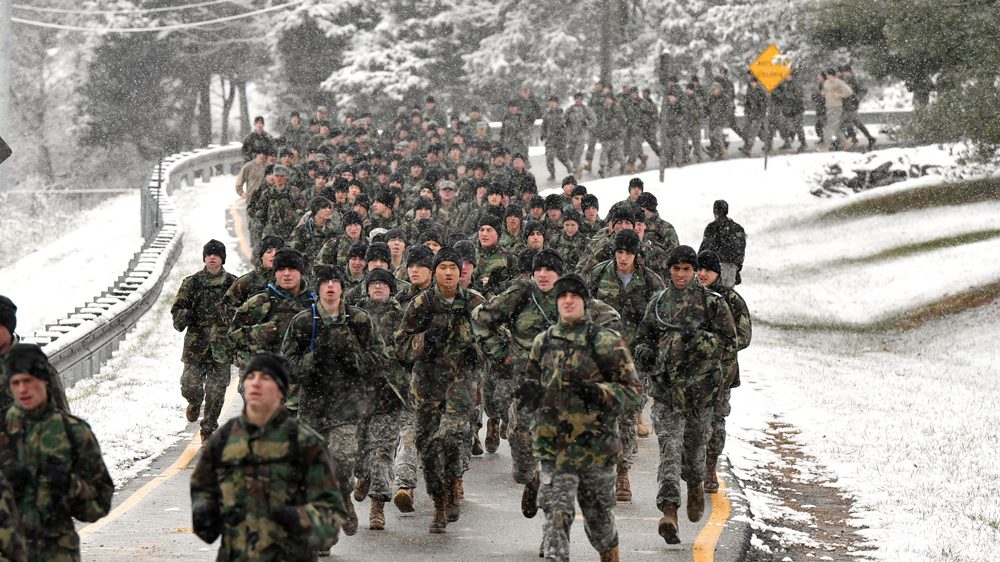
[[704, 545], [179, 465], [234, 212]]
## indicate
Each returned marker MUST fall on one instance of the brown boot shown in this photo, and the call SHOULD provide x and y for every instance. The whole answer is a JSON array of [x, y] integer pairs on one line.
[[642, 162], [459, 489], [376, 518], [361, 487], [696, 502], [492, 435], [351, 526], [610, 556], [404, 500], [452, 509], [711, 479], [630, 169], [623, 489], [440, 520], [641, 427], [529, 499], [668, 525], [193, 412]]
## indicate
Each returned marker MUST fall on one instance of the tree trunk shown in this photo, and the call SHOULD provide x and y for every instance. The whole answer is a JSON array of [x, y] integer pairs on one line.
[[44, 156], [607, 23], [241, 87], [205, 111], [188, 108], [227, 106]]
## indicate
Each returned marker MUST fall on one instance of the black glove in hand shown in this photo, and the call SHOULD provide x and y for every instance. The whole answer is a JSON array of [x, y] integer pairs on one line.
[[207, 523], [17, 475], [529, 394], [645, 358], [435, 337], [587, 391], [56, 473], [289, 517]]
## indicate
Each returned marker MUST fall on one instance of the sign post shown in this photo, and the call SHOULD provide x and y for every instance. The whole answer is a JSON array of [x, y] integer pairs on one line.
[[770, 69]]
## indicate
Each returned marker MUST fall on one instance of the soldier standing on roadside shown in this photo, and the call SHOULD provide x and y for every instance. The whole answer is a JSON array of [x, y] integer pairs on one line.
[[580, 378], [554, 137], [264, 481], [198, 309], [726, 238], [579, 122]]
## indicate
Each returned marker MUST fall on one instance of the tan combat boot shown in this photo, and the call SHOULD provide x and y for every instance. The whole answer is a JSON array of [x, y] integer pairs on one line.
[[623, 489], [529, 499], [668, 525], [351, 526], [459, 489], [492, 435], [440, 520], [696, 502], [452, 510], [643, 158], [711, 479], [642, 428], [610, 556], [376, 518], [403, 499], [361, 487], [193, 412]]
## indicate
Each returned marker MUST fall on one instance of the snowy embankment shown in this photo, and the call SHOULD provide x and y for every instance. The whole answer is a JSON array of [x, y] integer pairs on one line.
[[905, 423], [51, 282], [134, 404]]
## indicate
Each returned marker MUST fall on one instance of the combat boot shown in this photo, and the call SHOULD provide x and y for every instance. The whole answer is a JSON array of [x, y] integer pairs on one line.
[[711, 480], [529, 498], [590, 165], [192, 412], [668, 525], [205, 434], [351, 526], [641, 427], [623, 489], [452, 509], [376, 518], [477, 447], [492, 435], [440, 520], [610, 556], [642, 162], [459, 489], [696, 502], [404, 500], [361, 487], [631, 169]]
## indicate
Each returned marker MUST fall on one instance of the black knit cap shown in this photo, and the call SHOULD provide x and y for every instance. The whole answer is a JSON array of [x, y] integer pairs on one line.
[[532, 226], [467, 249], [568, 179], [214, 248], [635, 182], [683, 254], [514, 211], [588, 201], [269, 242], [526, 260], [272, 364], [495, 187], [536, 201], [288, 258], [580, 190], [395, 234], [317, 203], [447, 253], [352, 217], [27, 359], [8, 314], [553, 201], [627, 240], [326, 273], [572, 215], [621, 213], [386, 197], [647, 202], [709, 260], [423, 203], [357, 250], [382, 275], [489, 219], [720, 208], [428, 235], [418, 254], [378, 251], [550, 259], [572, 283]]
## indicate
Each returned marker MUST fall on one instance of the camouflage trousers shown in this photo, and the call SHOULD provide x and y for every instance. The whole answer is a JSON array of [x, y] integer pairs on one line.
[[405, 467], [612, 154], [63, 548], [208, 382], [673, 148], [693, 135], [524, 467], [649, 133], [633, 145], [682, 437], [716, 141], [594, 489], [574, 151], [342, 444], [628, 435], [377, 438], [554, 152], [498, 393], [717, 429], [441, 440]]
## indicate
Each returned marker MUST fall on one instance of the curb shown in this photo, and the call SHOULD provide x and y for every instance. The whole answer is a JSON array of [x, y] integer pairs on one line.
[[734, 543]]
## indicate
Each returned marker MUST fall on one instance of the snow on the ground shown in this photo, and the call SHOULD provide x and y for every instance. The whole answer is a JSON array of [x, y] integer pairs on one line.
[[51, 282], [134, 404]]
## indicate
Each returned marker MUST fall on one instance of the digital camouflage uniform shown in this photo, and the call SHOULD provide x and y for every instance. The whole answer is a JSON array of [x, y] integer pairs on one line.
[[577, 441], [334, 363], [12, 544], [683, 336], [245, 473], [438, 335], [730, 370], [279, 211], [554, 137], [198, 309], [579, 120], [66, 479]]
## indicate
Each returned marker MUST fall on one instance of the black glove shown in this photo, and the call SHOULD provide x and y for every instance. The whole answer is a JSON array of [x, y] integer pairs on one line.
[[435, 337], [289, 517], [56, 472], [17, 475], [529, 394], [687, 333], [207, 523], [645, 358], [587, 391]]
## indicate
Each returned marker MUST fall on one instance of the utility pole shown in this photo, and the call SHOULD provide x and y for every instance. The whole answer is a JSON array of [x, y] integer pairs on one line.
[[6, 54]]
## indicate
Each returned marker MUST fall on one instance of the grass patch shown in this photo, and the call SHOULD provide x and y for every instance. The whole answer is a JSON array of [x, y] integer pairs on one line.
[[941, 195], [925, 246]]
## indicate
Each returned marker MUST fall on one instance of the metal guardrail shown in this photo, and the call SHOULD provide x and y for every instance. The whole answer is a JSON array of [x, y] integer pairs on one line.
[[79, 344]]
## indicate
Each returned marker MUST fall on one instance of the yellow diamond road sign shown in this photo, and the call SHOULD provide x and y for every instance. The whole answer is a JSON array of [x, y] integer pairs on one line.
[[771, 68]]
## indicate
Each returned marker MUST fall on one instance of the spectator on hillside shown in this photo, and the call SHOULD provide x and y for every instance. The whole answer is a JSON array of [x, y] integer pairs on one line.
[[726, 237]]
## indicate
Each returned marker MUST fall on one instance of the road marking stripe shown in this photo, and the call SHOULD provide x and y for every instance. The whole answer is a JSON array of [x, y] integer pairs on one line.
[[704, 545], [179, 465], [238, 227]]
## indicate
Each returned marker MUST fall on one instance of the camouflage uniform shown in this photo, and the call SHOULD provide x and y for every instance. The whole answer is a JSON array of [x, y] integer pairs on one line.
[[576, 440], [730, 370], [334, 251], [245, 286], [661, 232], [245, 473], [439, 336], [569, 248], [309, 237], [514, 131], [12, 544], [259, 324], [405, 465], [610, 129], [494, 268], [683, 335], [579, 120], [279, 211], [672, 125], [554, 137], [335, 361], [65, 478]]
